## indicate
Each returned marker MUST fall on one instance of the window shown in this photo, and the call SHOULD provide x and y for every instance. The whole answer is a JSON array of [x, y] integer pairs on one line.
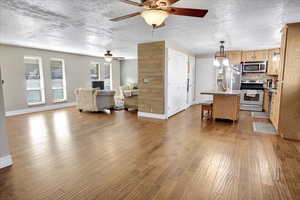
[[101, 72], [94, 71], [58, 80], [34, 80]]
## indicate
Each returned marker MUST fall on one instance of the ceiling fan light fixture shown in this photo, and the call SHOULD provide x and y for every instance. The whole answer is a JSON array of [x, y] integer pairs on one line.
[[154, 17], [108, 57]]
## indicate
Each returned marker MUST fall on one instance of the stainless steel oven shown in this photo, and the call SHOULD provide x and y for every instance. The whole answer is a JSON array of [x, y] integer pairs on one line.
[[252, 95], [258, 67]]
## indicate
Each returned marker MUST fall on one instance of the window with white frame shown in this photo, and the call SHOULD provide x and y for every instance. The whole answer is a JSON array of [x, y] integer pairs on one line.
[[58, 80], [94, 71], [101, 72], [34, 80]]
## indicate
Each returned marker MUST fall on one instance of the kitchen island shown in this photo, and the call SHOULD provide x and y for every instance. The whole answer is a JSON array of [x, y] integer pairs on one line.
[[226, 104]]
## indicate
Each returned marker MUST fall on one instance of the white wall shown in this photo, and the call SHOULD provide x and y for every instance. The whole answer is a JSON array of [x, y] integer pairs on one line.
[[13, 70], [129, 71], [205, 77]]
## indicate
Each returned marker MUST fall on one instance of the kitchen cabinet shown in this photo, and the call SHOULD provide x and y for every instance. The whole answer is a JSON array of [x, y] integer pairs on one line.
[[287, 104], [266, 101], [273, 62], [274, 115], [247, 56], [261, 55], [234, 57], [226, 104], [258, 55]]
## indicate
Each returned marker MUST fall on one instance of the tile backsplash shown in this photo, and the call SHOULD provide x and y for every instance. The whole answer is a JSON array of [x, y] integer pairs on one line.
[[256, 76]]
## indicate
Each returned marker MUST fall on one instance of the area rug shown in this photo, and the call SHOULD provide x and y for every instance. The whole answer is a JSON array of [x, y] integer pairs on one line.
[[260, 115], [266, 128]]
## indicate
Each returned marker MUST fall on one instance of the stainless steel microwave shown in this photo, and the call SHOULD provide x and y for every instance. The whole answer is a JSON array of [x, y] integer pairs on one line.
[[258, 67]]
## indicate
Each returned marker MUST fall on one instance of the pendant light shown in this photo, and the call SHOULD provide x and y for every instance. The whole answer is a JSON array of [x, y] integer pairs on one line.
[[108, 57], [220, 58]]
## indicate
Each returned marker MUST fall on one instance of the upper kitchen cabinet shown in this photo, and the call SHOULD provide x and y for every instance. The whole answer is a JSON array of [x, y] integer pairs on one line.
[[274, 62], [259, 55], [248, 56], [234, 57]]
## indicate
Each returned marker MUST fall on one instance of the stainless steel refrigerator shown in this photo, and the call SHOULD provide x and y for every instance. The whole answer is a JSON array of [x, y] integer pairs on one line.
[[236, 76], [4, 152]]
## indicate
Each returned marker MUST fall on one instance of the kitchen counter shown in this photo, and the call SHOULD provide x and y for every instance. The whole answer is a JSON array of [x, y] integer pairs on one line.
[[226, 104], [226, 93]]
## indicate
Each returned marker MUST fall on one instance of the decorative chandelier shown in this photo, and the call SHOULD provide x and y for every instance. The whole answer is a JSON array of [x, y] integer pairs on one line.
[[108, 57], [220, 58]]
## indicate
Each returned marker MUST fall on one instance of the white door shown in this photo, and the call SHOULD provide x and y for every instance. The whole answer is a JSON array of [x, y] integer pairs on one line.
[[191, 81], [177, 82]]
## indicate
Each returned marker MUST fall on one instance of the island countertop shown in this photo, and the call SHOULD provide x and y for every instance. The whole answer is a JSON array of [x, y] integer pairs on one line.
[[224, 93]]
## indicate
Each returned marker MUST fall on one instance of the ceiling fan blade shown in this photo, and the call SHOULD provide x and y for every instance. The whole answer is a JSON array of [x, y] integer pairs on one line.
[[187, 12], [125, 17], [132, 3]]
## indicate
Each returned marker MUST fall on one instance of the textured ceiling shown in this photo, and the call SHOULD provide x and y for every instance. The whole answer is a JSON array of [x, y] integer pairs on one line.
[[83, 26]]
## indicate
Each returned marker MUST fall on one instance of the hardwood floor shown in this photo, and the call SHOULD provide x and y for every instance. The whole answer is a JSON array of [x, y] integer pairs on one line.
[[65, 154]]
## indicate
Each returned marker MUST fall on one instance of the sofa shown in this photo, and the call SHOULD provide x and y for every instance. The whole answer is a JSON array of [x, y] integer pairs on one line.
[[129, 93], [94, 100]]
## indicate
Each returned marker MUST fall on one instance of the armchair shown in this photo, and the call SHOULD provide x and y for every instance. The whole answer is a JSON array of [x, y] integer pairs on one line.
[[129, 94]]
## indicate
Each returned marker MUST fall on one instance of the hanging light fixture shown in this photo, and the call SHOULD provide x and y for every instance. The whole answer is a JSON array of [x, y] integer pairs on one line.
[[108, 57], [221, 59], [154, 17]]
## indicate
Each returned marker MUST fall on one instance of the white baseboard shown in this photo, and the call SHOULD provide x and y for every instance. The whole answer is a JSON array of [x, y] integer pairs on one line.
[[152, 115], [5, 161], [39, 109]]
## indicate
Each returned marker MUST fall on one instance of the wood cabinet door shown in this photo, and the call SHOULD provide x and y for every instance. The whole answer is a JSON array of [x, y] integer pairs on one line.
[[260, 55], [289, 123], [248, 56], [282, 54], [234, 57], [274, 61], [266, 101], [275, 108]]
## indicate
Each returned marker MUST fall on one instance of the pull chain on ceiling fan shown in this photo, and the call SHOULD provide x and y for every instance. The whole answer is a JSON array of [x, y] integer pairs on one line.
[[158, 10]]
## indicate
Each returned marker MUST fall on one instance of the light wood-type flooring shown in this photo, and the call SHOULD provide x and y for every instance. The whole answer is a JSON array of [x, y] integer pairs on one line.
[[64, 155]]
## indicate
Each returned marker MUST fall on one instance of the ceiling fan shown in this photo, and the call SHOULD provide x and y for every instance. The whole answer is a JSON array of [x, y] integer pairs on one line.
[[156, 11]]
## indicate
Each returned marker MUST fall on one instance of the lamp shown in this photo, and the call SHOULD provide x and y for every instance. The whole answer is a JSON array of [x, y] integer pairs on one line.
[[108, 57], [221, 58], [154, 17]]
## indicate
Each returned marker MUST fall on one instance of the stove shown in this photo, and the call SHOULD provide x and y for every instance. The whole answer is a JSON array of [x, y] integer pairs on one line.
[[252, 95]]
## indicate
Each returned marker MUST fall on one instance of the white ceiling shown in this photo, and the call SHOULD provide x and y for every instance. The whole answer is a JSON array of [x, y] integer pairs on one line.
[[83, 26]]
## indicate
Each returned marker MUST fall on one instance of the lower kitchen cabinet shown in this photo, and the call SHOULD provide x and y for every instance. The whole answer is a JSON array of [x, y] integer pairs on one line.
[[266, 101]]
